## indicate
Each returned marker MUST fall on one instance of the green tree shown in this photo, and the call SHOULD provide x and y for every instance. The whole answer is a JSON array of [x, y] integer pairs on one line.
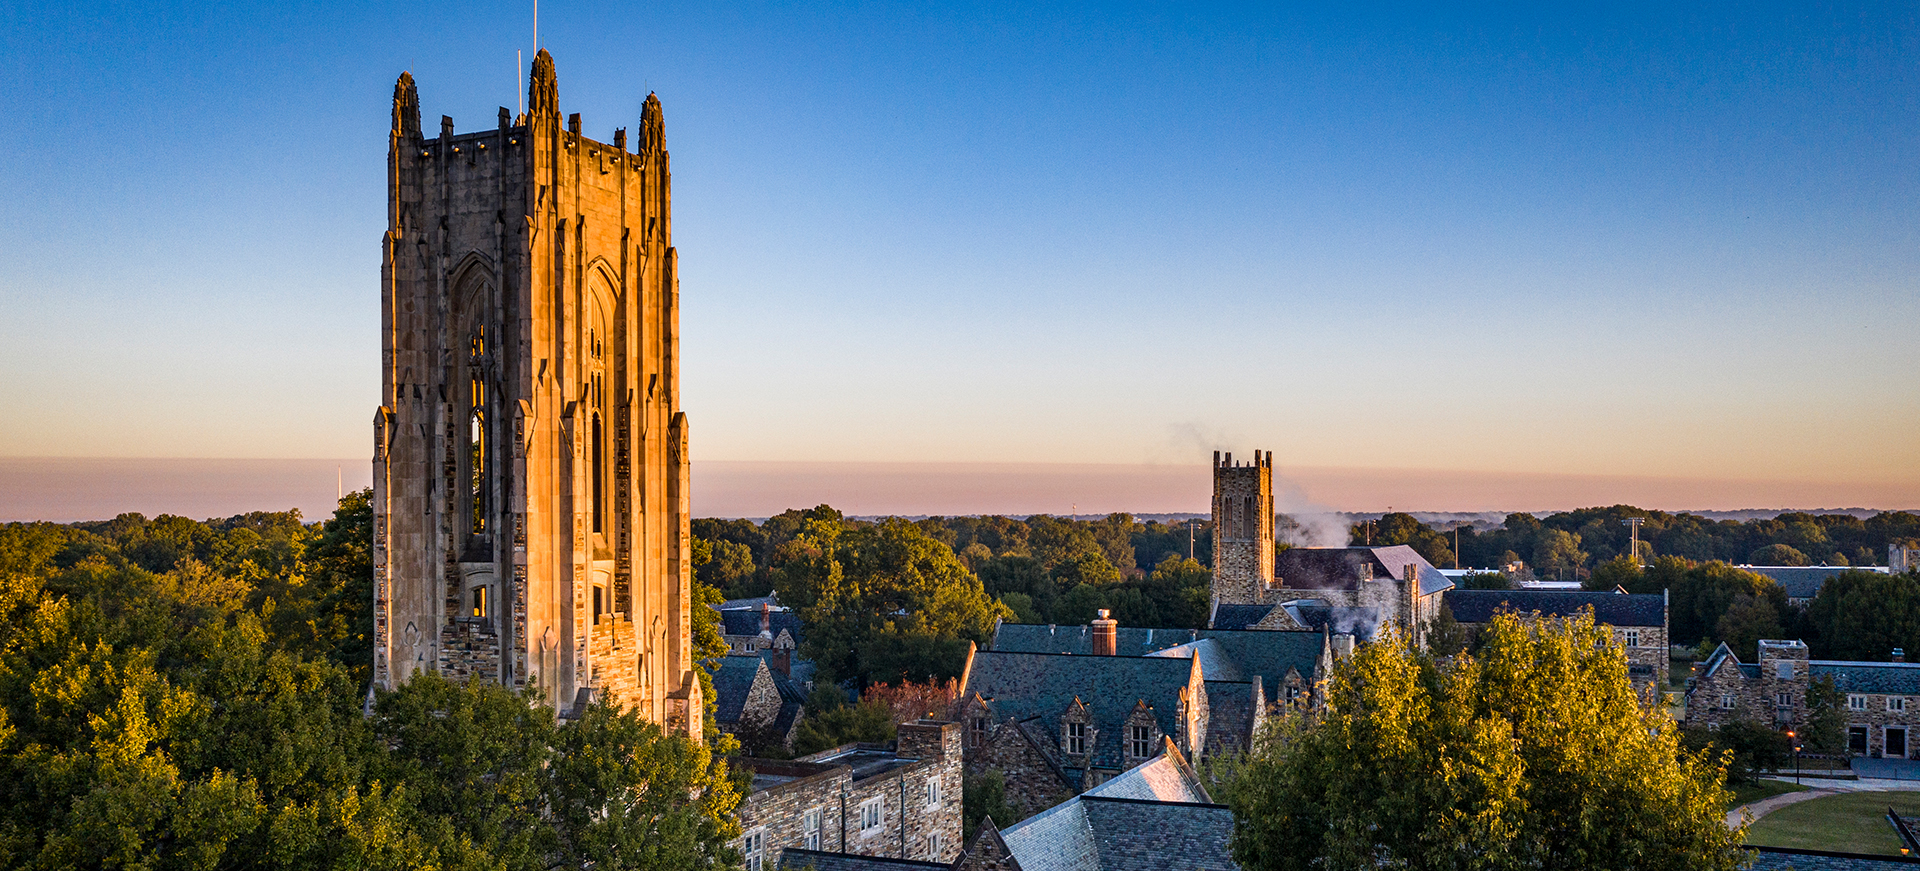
[[828, 726], [1826, 730], [1536, 753], [1701, 595], [1748, 619], [883, 602], [1778, 555], [1865, 615], [982, 796], [1557, 550]]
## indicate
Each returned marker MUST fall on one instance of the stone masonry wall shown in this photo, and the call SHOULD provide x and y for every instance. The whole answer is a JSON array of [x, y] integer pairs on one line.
[[779, 814]]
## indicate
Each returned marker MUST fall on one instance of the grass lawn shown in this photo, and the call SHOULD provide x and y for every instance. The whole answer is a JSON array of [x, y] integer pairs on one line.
[[1748, 793], [1854, 822]]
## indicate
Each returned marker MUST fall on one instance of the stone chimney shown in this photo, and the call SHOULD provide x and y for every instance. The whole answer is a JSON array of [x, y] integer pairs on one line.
[[1342, 646], [1106, 641], [1899, 654], [766, 620]]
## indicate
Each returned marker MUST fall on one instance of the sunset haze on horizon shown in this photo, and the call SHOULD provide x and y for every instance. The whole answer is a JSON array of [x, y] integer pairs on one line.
[[1519, 261]]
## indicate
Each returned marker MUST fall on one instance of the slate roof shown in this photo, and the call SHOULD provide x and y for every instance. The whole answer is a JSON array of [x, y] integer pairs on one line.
[[1888, 678], [1613, 609], [1166, 777], [1804, 582], [731, 683], [1343, 568], [1239, 616], [796, 858], [1215, 662], [747, 622], [1048, 638], [1043, 685], [1783, 859], [1098, 833], [1253, 652]]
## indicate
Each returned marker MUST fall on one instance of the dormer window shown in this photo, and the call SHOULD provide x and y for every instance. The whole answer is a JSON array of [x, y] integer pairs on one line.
[[1139, 738], [1076, 739]]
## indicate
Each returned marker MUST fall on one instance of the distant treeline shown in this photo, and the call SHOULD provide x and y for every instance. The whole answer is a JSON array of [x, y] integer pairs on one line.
[[1571, 543]]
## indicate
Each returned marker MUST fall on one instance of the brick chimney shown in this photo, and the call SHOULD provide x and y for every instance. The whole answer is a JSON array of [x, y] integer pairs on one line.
[[1899, 654], [766, 619], [1106, 641]]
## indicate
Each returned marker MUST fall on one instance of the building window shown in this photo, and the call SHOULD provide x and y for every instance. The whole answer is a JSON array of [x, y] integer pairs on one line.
[[979, 731], [1726, 701], [599, 602], [811, 830], [750, 847], [1137, 739], [1897, 704], [1076, 739], [478, 458], [933, 847], [933, 792], [1856, 702], [1633, 638], [1857, 740], [1293, 696], [1783, 670], [870, 817], [480, 602], [1783, 700]]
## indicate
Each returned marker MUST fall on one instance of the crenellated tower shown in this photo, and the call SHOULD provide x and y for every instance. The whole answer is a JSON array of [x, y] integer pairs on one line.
[[1242, 529], [530, 455]]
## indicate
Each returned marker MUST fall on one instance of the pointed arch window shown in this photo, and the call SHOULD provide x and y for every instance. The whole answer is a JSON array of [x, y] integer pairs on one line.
[[479, 416], [597, 462]]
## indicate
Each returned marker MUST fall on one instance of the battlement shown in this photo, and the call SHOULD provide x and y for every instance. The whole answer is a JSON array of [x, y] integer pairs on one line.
[[1261, 460]]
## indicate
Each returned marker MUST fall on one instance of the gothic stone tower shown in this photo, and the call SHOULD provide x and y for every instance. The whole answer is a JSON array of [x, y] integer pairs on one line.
[[530, 462], [1242, 529]]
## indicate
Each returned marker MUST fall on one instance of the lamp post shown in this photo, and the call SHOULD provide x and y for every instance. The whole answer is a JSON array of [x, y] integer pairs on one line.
[[1795, 738]]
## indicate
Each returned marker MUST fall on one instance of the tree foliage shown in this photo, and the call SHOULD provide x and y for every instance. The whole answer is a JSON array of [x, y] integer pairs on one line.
[[1534, 753], [184, 694]]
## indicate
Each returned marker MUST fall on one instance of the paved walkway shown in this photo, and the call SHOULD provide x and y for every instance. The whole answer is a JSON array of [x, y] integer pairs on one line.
[[1818, 787]]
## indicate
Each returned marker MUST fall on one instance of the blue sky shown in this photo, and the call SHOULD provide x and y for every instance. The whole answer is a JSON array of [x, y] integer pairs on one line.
[[1650, 241]]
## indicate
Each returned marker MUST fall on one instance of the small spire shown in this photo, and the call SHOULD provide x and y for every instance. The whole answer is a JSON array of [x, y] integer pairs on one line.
[[543, 90], [653, 137], [406, 107]]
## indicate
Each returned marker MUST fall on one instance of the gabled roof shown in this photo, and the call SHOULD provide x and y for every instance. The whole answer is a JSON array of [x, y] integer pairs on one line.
[[1097, 833], [1166, 777], [1612, 609], [1215, 662], [1887, 678], [1044, 685], [732, 681], [1344, 568], [1231, 713]]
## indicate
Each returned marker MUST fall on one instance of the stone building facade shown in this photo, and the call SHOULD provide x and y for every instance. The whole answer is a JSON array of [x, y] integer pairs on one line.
[[530, 454], [899, 802], [1242, 528], [1881, 699]]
